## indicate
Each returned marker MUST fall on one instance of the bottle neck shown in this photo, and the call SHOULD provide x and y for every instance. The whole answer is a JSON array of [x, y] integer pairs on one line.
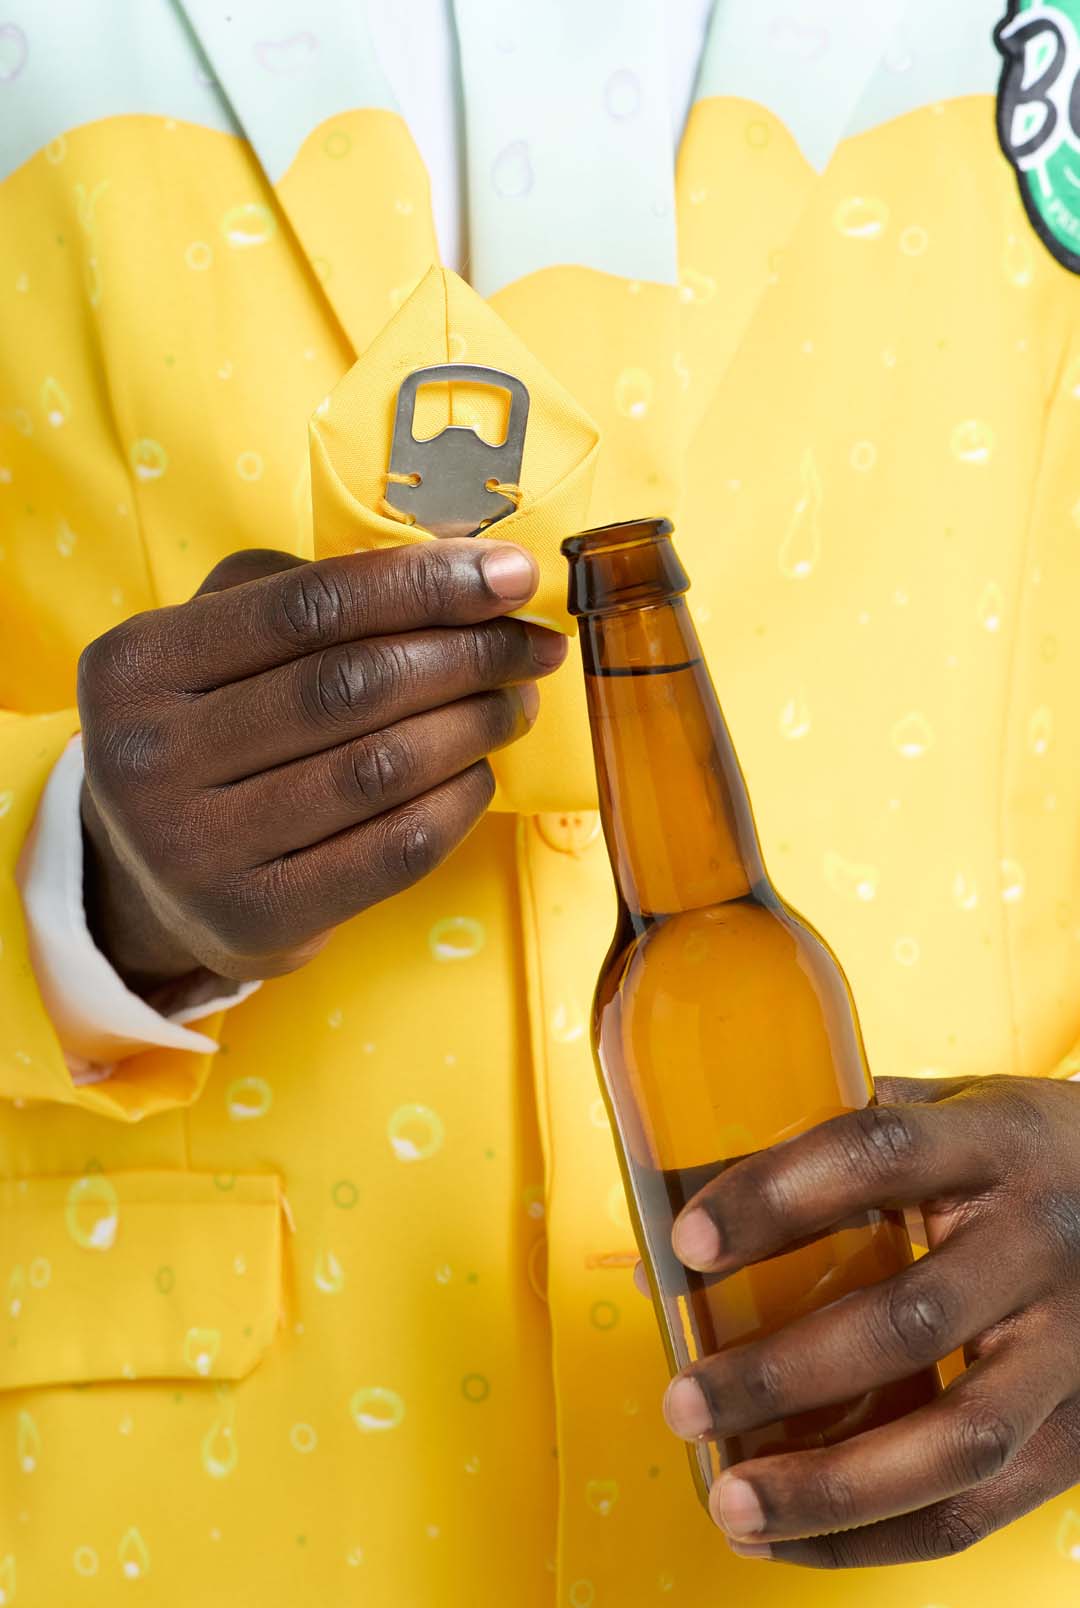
[[674, 805]]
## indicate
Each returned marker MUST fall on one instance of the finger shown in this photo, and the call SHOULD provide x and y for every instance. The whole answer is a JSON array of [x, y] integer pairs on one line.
[[1048, 1465], [958, 1442], [641, 1279], [920, 1091], [899, 1155], [303, 894], [230, 635], [876, 1336], [296, 805], [358, 688], [249, 564]]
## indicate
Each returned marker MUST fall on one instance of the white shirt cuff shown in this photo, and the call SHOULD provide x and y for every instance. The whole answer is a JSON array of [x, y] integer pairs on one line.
[[97, 1018]]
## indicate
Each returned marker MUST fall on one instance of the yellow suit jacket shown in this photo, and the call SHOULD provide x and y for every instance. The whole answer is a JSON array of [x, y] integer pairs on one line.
[[343, 1313]]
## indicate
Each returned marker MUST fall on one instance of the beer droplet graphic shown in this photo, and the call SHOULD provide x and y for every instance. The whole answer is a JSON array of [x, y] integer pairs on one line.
[[991, 605], [623, 95], [475, 1387], [456, 938], [634, 392], [582, 1594], [1041, 731], [1013, 881], [568, 1022], [134, 1555], [199, 255], [912, 736], [617, 1209], [973, 442], [329, 1274], [1068, 1536], [84, 1561], [696, 288], [201, 1348], [92, 1212], [965, 891], [801, 546], [906, 951], [16, 1292], [1018, 261], [220, 1452], [862, 217], [249, 224], [415, 1132], [247, 1098], [795, 718], [7, 1579], [512, 171], [40, 1272], [375, 1409], [303, 1438], [149, 459], [55, 403], [27, 1443], [603, 1315], [602, 1495], [848, 877]]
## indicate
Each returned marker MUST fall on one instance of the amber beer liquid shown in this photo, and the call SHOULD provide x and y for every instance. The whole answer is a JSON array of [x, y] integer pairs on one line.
[[722, 1022]]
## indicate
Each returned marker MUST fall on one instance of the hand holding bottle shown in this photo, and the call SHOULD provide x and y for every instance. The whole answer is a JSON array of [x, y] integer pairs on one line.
[[995, 1164]]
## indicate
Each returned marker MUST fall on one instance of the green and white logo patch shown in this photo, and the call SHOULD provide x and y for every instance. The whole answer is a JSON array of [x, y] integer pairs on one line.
[[1039, 116]]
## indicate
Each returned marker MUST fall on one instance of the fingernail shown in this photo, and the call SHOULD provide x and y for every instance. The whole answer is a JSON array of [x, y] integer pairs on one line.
[[750, 1549], [510, 573], [697, 1240], [530, 700], [686, 1409], [738, 1508], [548, 648]]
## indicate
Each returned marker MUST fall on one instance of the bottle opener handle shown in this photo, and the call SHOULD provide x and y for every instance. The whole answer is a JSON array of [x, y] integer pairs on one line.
[[443, 483]]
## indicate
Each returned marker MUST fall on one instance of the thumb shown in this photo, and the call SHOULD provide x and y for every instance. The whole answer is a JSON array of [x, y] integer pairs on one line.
[[250, 564]]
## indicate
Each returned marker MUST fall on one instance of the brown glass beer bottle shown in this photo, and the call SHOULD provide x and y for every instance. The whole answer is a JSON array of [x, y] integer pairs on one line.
[[722, 1022]]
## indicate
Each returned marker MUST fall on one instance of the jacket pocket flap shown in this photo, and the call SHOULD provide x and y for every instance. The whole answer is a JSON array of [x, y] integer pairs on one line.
[[137, 1275]]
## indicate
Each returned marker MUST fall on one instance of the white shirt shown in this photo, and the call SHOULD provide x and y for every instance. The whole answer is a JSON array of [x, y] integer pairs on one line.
[[97, 1018]]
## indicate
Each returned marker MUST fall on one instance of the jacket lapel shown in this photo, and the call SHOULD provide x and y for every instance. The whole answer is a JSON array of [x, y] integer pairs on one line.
[[306, 87]]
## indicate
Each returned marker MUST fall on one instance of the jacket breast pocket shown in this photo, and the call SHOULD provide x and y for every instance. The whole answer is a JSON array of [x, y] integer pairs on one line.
[[137, 1275]]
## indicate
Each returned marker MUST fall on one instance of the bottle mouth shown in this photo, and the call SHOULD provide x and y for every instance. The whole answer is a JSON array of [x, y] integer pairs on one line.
[[628, 566], [609, 538]]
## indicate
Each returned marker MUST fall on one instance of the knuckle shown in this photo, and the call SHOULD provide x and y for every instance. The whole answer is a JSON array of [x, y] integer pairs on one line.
[[763, 1382], [917, 1320], [984, 1441], [419, 845], [500, 718], [307, 605], [433, 581], [879, 1137], [831, 1497], [339, 683], [1058, 1219], [376, 768], [112, 660], [949, 1529]]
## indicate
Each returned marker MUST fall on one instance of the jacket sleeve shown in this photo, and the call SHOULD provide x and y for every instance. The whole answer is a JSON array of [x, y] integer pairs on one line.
[[33, 1066]]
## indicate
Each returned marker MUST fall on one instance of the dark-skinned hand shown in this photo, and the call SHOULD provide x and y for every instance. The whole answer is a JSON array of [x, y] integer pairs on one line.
[[293, 745], [995, 1165]]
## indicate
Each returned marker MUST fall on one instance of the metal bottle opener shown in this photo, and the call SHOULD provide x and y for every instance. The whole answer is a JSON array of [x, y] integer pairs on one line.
[[446, 481]]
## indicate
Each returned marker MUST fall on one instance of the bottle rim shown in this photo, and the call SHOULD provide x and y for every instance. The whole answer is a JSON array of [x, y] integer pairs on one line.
[[610, 538]]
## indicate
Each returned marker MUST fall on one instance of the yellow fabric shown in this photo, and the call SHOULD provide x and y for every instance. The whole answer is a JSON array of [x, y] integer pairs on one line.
[[860, 403]]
